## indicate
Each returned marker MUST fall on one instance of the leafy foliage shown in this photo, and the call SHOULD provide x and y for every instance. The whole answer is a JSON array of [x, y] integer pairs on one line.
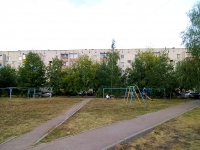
[[191, 36], [186, 73], [149, 70], [8, 77], [191, 40], [54, 75], [32, 73], [109, 73], [81, 76]]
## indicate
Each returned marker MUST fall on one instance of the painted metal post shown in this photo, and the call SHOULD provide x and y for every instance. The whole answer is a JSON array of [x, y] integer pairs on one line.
[[10, 93], [29, 92], [164, 95], [125, 95], [103, 94], [51, 89], [33, 92], [131, 98]]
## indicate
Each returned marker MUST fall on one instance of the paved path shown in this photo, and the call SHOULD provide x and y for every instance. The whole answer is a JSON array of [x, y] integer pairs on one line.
[[107, 136], [25, 140]]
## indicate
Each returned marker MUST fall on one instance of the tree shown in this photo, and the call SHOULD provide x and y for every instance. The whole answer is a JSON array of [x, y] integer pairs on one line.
[[186, 74], [191, 36], [149, 70], [32, 72], [81, 76], [54, 75], [8, 77], [191, 40], [114, 69], [109, 73]]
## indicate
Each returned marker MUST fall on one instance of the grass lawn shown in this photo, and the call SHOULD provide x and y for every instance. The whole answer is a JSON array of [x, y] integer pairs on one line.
[[182, 132], [98, 113], [21, 115]]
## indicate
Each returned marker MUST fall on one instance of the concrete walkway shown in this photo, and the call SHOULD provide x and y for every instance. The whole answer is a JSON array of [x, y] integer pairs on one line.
[[108, 136], [28, 139]]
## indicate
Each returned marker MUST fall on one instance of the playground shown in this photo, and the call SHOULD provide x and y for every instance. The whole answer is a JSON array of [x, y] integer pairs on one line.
[[133, 93], [26, 92], [23, 114]]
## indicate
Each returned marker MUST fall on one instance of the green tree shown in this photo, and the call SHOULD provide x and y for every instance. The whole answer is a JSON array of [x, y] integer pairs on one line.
[[191, 40], [186, 73], [54, 75], [32, 72], [109, 73], [149, 70], [191, 36], [114, 69], [81, 76], [8, 77]]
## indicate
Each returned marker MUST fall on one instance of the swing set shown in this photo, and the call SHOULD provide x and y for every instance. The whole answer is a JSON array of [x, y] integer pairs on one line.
[[134, 92], [131, 92]]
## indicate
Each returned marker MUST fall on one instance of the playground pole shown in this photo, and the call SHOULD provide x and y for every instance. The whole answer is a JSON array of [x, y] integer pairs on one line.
[[112, 89], [164, 95], [103, 94], [51, 88], [10, 93]]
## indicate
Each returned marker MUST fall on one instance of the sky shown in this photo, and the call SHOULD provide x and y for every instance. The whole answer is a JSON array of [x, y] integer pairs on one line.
[[92, 24]]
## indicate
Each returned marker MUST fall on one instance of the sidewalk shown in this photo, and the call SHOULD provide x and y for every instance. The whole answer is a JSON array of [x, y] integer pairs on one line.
[[108, 136], [28, 139]]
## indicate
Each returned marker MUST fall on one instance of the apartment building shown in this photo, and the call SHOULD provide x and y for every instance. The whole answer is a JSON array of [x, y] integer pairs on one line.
[[16, 58]]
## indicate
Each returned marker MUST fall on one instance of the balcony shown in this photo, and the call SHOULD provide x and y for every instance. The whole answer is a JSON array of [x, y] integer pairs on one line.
[[64, 57]]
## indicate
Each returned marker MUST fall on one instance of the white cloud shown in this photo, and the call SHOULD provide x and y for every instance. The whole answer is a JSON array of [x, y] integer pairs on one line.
[[62, 24]]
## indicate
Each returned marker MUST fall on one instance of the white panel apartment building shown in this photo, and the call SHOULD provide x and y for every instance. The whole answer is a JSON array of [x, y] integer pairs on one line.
[[15, 58]]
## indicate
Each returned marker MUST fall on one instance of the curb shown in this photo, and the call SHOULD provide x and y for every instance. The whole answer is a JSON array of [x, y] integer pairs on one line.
[[8, 140], [59, 124], [129, 139], [141, 133]]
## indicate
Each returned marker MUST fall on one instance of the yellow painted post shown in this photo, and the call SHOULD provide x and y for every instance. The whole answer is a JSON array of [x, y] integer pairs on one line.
[[127, 96], [137, 97]]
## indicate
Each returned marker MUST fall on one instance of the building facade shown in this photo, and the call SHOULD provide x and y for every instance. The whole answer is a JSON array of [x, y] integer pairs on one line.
[[16, 58]]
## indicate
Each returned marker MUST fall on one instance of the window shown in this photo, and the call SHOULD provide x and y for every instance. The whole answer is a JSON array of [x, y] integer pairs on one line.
[[122, 64], [157, 53], [171, 61], [64, 55], [24, 56], [0, 57], [136, 56], [103, 55], [8, 58], [20, 58], [73, 55], [44, 58], [122, 56], [178, 56], [65, 63], [129, 61], [95, 57], [56, 56]]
